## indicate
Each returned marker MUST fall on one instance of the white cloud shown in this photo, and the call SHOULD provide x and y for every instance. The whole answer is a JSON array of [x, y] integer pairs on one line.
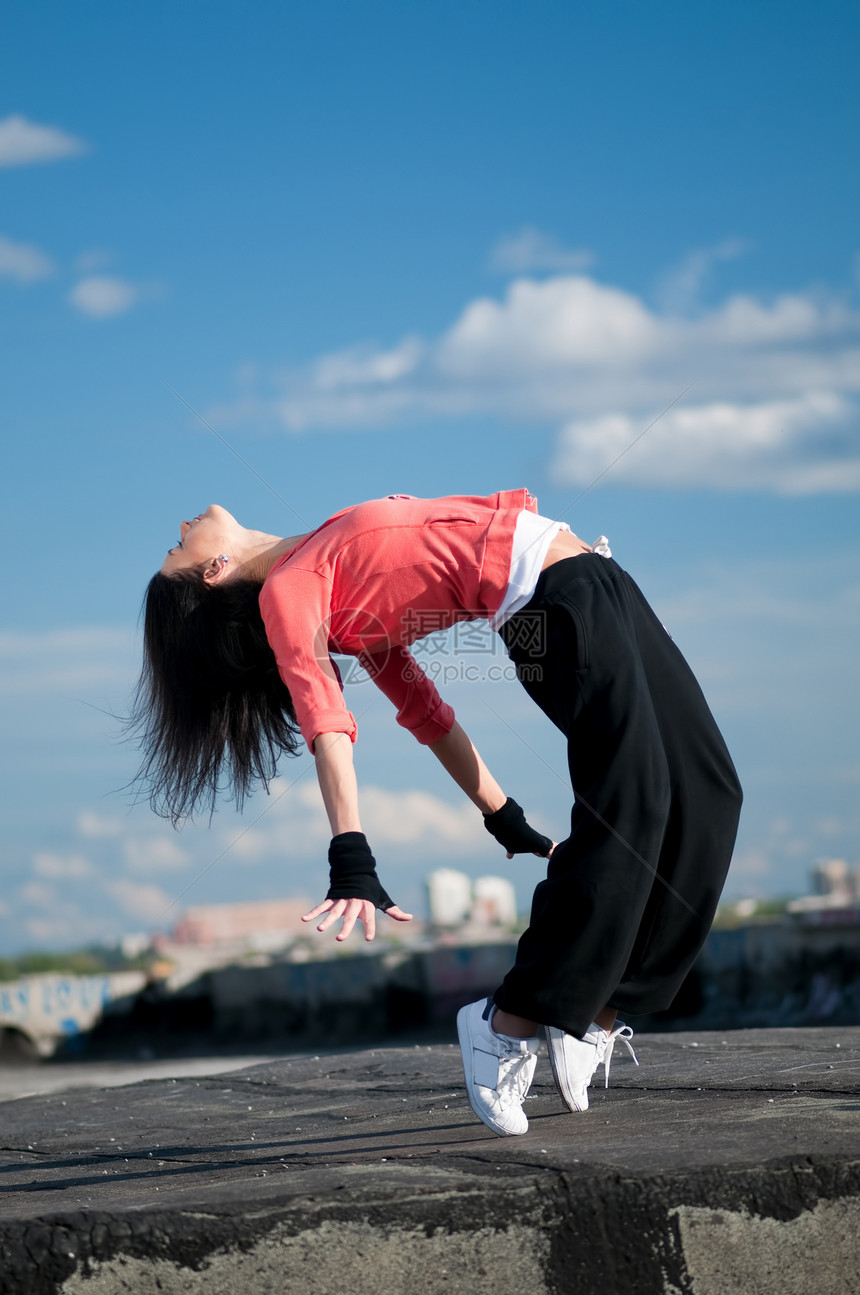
[[296, 824], [341, 385], [70, 928], [149, 854], [774, 383], [752, 446], [559, 323], [102, 296], [292, 824], [62, 867], [681, 287], [97, 826], [37, 894], [743, 321], [24, 142], [532, 249], [365, 366], [139, 900], [23, 261], [406, 817]]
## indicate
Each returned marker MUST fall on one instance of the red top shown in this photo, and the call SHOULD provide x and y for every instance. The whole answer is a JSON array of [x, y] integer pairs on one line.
[[373, 579]]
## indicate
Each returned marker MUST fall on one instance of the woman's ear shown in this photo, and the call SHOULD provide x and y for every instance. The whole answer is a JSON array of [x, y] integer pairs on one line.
[[214, 570]]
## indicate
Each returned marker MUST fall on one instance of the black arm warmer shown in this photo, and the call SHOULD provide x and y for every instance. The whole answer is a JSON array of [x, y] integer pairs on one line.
[[508, 825], [352, 871]]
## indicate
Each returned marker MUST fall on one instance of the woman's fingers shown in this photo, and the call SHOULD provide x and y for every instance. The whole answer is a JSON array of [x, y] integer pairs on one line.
[[398, 914], [336, 909], [320, 908], [549, 855], [355, 909], [352, 911], [538, 856], [358, 909]]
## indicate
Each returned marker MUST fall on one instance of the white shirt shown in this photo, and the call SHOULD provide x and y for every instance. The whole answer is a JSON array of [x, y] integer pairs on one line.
[[532, 537]]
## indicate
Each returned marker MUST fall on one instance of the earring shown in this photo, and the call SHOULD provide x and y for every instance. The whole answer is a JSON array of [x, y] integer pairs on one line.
[[222, 557]]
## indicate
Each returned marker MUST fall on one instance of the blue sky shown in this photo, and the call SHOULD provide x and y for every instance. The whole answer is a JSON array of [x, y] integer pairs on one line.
[[427, 249]]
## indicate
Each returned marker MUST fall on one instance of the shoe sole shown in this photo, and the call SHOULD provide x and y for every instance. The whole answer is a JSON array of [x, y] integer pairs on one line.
[[561, 1082], [464, 1034]]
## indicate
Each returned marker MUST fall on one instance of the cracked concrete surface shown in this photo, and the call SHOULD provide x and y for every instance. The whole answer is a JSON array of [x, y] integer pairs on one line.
[[699, 1172]]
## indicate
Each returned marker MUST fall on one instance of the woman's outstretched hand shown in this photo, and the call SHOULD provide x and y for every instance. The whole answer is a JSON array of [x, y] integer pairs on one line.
[[536, 853], [509, 827], [352, 910]]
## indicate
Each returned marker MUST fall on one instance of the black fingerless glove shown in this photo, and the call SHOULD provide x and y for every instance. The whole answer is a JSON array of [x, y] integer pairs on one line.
[[352, 871], [508, 825]]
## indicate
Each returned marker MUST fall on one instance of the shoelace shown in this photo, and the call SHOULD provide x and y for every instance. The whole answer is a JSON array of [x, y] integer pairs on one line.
[[523, 1079], [606, 1044], [512, 1081]]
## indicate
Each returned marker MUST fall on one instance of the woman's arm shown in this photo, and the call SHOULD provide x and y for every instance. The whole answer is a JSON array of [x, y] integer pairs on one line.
[[336, 776], [456, 753], [503, 817]]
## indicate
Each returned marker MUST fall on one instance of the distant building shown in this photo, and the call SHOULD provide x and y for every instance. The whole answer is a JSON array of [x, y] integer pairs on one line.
[[215, 935], [455, 902], [495, 902], [836, 891], [449, 896], [837, 880], [261, 924]]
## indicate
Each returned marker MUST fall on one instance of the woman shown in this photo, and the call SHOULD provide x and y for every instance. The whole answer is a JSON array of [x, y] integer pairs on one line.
[[239, 626]]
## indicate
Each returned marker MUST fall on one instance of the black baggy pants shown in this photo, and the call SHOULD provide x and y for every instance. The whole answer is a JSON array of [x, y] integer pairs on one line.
[[630, 896]]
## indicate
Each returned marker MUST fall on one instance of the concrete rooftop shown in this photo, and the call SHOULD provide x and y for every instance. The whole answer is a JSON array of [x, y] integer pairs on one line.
[[725, 1162]]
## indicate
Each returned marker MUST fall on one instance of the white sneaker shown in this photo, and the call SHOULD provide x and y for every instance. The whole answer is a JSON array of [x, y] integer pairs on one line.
[[574, 1061], [498, 1069]]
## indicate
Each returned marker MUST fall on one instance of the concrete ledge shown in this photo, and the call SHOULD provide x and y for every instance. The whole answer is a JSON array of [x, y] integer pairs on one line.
[[724, 1163]]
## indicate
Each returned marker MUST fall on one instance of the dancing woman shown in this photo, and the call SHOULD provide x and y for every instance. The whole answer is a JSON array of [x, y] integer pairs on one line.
[[239, 627]]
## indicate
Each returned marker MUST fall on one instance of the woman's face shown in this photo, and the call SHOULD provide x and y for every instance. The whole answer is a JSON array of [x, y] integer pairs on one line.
[[206, 536]]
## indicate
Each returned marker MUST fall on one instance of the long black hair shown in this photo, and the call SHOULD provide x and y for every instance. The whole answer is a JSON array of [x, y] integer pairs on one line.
[[210, 712]]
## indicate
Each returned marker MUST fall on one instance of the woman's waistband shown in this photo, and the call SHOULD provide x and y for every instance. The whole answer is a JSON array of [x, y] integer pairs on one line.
[[559, 578]]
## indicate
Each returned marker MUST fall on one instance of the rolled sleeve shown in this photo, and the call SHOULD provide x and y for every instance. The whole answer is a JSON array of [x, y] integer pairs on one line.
[[296, 615], [420, 709]]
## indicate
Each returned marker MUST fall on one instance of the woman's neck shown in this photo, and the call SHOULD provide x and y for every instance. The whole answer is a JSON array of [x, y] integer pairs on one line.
[[262, 551]]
